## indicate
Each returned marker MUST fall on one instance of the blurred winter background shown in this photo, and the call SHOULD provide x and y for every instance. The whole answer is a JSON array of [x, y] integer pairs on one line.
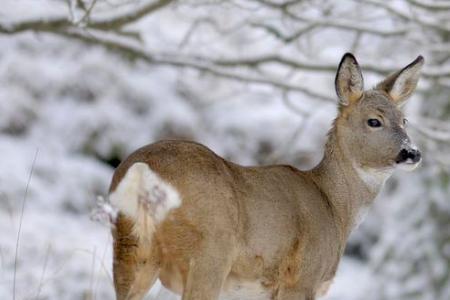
[[85, 82]]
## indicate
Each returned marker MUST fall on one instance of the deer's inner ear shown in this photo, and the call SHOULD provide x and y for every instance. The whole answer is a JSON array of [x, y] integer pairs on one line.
[[349, 82], [401, 84]]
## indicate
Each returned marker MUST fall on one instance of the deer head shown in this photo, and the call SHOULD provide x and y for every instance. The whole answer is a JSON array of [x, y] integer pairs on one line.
[[371, 126]]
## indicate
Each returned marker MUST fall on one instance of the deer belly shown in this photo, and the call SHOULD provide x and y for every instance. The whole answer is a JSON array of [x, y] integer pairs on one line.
[[249, 290]]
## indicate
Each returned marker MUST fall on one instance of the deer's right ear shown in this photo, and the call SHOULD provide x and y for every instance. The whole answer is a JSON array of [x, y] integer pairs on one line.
[[400, 85], [349, 82]]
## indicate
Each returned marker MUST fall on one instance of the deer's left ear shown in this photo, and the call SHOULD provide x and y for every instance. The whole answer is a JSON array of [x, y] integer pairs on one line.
[[400, 85]]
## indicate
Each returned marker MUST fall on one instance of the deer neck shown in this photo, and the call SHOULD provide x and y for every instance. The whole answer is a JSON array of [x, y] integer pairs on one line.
[[350, 188]]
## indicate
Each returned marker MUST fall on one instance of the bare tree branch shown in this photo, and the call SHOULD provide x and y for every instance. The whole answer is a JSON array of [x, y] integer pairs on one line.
[[329, 23], [430, 5], [106, 32], [301, 65], [87, 13], [136, 53], [129, 17], [35, 25], [282, 5], [438, 136], [61, 23], [282, 36], [59, 26], [406, 17]]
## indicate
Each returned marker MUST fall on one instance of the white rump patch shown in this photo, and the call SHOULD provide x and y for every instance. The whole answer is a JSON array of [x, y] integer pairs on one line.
[[145, 197]]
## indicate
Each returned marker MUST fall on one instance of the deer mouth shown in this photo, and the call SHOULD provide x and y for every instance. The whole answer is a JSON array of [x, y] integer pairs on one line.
[[408, 159]]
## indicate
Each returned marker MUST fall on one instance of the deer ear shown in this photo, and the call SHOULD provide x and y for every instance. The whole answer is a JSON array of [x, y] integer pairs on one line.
[[401, 84], [349, 82]]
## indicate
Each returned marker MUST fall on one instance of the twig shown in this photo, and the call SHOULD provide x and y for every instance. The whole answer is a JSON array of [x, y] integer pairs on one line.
[[405, 17], [430, 5], [129, 17], [41, 280], [432, 134], [60, 268], [287, 101], [70, 7], [311, 24], [87, 14], [61, 23], [20, 222], [91, 288], [2, 260], [102, 261]]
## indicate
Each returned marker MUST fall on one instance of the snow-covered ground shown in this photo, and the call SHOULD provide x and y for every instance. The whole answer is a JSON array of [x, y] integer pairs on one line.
[[66, 257]]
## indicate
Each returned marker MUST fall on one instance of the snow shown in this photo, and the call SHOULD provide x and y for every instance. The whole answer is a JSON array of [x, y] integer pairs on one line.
[[82, 108], [351, 282]]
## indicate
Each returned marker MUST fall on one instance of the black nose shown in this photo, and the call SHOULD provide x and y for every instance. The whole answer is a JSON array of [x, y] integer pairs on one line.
[[406, 154]]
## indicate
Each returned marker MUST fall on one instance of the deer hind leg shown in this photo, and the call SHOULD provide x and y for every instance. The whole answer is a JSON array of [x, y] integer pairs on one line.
[[135, 265], [208, 271], [143, 200]]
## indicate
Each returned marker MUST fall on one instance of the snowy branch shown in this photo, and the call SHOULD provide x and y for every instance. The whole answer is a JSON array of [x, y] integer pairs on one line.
[[301, 65], [123, 19], [432, 134], [35, 25], [108, 32], [430, 5], [61, 23], [406, 17], [136, 53], [311, 24]]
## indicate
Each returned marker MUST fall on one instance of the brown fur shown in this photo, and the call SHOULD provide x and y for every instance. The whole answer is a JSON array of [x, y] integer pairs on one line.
[[277, 226]]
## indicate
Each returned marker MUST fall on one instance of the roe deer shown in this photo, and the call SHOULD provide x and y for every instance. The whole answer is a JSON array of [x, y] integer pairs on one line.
[[212, 229]]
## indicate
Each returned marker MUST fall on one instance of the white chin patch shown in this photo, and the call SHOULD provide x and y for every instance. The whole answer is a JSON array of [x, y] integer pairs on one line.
[[408, 165]]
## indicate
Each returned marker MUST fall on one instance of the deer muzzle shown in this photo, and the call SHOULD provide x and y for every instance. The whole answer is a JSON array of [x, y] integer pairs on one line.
[[409, 155]]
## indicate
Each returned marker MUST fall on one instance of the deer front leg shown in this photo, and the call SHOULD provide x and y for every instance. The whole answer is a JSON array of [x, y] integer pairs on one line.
[[207, 272], [324, 288], [295, 293]]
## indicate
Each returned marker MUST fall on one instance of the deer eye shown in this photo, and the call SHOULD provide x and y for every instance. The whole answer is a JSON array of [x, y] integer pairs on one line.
[[374, 123], [405, 121]]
